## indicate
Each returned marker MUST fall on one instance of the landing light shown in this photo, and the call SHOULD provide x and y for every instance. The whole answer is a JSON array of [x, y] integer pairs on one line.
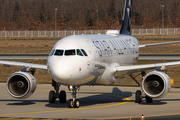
[[70, 87]]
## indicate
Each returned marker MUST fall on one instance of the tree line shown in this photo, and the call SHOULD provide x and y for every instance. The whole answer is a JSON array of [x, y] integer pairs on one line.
[[86, 14]]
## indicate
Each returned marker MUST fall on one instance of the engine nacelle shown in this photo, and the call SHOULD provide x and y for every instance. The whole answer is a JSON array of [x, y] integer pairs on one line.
[[21, 85], [156, 84]]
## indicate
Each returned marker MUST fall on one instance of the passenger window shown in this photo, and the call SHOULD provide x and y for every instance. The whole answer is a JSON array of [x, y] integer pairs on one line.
[[59, 52], [52, 52], [84, 52], [70, 52], [79, 52]]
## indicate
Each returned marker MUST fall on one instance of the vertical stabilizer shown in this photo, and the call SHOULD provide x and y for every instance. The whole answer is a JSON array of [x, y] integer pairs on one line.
[[126, 20]]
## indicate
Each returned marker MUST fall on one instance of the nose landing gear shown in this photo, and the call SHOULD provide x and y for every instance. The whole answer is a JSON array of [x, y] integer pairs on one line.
[[73, 102]]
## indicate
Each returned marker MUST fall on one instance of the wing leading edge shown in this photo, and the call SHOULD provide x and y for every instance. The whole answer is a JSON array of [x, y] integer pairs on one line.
[[126, 70], [164, 43], [21, 64]]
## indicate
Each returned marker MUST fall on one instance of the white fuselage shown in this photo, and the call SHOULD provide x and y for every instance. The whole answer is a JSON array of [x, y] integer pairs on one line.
[[85, 59]]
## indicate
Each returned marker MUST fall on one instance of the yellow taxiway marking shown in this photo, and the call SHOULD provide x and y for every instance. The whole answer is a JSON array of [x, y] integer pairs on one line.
[[174, 94], [127, 100]]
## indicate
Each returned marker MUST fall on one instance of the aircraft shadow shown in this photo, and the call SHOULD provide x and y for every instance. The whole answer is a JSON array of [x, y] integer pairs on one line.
[[23, 102], [101, 98], [85, 101], [156, 102]]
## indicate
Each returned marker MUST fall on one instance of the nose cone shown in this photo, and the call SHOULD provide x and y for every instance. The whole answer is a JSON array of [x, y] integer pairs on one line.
[[60, 69]]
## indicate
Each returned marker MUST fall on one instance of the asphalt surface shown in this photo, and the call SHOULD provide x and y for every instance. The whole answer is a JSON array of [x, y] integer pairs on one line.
[[97, 102]]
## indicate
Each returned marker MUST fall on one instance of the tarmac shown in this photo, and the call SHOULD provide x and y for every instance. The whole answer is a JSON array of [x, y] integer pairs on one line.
[[98, 102]]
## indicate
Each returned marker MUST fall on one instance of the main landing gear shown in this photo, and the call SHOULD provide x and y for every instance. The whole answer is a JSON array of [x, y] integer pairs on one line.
[[139, 95], [73, 102], [53, 95]]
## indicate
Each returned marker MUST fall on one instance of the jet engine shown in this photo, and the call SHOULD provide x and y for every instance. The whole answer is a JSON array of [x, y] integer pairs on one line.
[[21, 84], [156, 84]]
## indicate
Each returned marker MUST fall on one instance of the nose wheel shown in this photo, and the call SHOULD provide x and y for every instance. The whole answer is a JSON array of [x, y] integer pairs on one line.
[[73, 103], [53, 95]]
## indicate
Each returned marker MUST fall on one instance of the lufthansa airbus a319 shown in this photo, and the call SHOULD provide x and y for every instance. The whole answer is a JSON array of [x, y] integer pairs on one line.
[[102, 59]]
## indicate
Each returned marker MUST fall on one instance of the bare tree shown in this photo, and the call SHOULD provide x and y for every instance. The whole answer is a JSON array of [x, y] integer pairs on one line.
[[72, 14]]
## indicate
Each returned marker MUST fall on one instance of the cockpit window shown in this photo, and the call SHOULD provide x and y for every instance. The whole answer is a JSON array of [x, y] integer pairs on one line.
[[59, 52], [79, 52], [84, 52], [52, 52], [70, 52]]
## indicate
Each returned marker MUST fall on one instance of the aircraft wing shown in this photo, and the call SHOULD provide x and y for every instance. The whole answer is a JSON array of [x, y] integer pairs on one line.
[[126, 70], [154, 44], [21, 64]]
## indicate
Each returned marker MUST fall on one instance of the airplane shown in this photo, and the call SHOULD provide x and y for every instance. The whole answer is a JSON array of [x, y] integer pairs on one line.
[[101, 59]]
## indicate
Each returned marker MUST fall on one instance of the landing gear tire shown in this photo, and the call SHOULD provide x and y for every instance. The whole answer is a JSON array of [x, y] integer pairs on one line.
[[76, 104], [73, 102], [70, 103], [148, 99], [138, 97], [52, 97], [62, 96]]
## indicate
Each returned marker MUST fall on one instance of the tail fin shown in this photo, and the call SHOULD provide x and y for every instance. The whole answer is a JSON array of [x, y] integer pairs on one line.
[[126, 20]]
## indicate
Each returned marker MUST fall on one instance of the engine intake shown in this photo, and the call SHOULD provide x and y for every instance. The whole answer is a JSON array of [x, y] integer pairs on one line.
[[21, 85], [156, 84]]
